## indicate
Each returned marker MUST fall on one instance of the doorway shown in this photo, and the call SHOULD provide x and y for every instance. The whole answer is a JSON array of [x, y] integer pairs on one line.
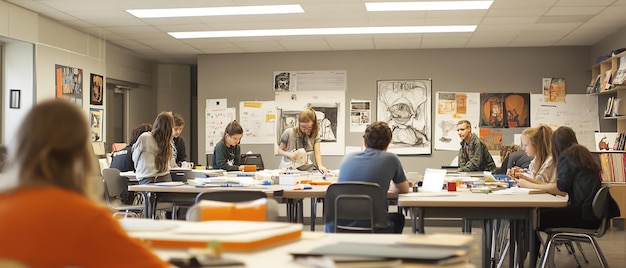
[[117, 115]]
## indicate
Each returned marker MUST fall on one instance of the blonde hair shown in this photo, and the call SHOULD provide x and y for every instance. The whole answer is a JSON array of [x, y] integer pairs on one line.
[[162, 133], [54, 147], [540, 138]]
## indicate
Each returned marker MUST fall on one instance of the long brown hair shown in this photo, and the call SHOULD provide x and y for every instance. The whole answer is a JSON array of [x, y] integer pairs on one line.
[[539, 137], [162, 133], [564, 142], [306, 116], [231, 129], [54, 148]]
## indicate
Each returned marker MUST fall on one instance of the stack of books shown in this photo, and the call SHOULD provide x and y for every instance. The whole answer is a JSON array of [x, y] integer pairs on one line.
[[612, 167]]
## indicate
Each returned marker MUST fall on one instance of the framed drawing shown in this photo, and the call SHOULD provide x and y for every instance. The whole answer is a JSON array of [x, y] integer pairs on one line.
[[96, 90], [69, 84], [406, 106], [95, 121]]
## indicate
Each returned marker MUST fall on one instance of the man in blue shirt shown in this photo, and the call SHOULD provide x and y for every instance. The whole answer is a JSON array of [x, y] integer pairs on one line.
[[376, 165]]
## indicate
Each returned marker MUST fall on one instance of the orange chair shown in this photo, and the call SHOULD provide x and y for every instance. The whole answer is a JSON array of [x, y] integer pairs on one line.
[[118, 146]]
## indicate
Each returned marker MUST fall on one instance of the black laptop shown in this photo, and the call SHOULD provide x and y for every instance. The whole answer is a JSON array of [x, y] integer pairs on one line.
[[252, 159]]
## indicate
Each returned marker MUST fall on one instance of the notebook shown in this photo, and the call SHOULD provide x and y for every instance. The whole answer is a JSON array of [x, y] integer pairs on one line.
[[433, 180], [253, 159]]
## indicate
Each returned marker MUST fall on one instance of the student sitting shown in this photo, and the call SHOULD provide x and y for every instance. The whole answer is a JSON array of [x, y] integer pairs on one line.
[[49, 219], [542, 169], [123, 159]]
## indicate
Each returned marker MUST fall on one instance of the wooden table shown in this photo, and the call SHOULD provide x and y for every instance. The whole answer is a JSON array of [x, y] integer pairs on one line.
[[484, 207]]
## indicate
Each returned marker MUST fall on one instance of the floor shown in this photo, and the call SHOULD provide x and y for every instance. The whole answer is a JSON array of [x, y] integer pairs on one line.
[[612, 244]]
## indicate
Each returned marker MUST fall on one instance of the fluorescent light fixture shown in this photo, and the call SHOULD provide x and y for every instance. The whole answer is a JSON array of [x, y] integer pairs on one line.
[[415, 6], [325, 31], [215, 11]]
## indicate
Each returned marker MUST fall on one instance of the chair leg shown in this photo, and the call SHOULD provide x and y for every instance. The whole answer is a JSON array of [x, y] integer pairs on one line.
[[548, 255], [598, 251], [580, 249], [570, 249]]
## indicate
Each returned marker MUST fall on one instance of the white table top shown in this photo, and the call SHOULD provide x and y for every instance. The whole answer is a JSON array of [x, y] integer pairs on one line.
[[278, 256], [468, 199]]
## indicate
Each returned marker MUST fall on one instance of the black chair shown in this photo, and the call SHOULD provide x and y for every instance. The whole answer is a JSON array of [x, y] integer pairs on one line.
[[363, 202], [566, 235]]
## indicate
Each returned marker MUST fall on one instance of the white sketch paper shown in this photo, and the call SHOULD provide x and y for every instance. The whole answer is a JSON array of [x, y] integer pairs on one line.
[[327, 80], [258, 119], [216, 120], [360, 115], [452, 107]]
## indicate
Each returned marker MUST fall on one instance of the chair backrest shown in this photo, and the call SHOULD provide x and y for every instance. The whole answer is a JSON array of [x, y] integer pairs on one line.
[[114, 184], [181, 175], [230, 196], [355, 201], [228, 211], [116, 146], [599, 206]]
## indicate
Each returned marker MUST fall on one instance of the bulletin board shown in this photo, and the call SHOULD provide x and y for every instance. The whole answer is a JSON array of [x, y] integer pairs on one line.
[[579, 111]]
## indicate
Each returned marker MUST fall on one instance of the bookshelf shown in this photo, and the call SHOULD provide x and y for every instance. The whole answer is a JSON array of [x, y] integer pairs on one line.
[[617, 182]]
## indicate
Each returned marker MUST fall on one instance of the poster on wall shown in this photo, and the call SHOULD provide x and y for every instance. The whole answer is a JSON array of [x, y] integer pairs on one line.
[[69, 84], [517, 107], [95, 120], [406, 106], [451, 108], [360, 115], [258, 119], [492, 138], [216, 120], [329, 108], [96, 89], [554, 89], [327, 80]]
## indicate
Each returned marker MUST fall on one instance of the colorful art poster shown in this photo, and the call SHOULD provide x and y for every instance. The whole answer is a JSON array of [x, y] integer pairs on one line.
[[553, 89], [96, 90], [451, 108], [492, 138], [69, 84], [95, 122], [517, 107]]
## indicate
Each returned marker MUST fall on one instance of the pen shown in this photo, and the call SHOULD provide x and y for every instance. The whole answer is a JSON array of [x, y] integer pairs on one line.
[[323, 174]]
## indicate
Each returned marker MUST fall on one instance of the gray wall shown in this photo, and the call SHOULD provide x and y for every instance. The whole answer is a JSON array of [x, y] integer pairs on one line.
[[246, 77]]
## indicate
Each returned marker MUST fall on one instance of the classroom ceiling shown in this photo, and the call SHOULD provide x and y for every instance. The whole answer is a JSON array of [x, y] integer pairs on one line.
[[507, 23]]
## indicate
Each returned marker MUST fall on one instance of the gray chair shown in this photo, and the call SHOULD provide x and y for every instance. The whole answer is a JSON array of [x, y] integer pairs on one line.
[[114, 185], [193, 214], [356, 207], [566, 235]]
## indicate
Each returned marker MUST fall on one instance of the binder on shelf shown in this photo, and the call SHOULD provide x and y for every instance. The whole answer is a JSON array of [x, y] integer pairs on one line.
[[615, 107]]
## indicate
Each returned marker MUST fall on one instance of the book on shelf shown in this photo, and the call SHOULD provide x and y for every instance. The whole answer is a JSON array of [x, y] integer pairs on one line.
[[615, 108], [596, 84], [612, 165], [609, 106], [620, 74], [605, 140], [606, 83]]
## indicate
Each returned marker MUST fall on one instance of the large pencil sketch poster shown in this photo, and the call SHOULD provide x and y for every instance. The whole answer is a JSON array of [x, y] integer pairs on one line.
[[216, 120], [405, 105], [329, 108], [452, 107], [258, 119]]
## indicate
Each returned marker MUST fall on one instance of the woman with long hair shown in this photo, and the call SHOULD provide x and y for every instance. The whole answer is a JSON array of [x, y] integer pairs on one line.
[[536, 143], [153, 151], [303, 136], [49, 218]]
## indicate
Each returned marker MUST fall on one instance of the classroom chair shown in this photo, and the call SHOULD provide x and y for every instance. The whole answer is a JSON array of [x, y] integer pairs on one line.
[[346, 202], [114, 185], [566, 235], [261, 209]]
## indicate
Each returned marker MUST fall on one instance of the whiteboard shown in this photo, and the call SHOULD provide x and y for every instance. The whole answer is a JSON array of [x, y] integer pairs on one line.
[[579, 111]]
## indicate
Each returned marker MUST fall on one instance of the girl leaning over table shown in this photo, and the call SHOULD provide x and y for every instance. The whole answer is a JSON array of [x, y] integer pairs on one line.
[[47, 204], [542, 168], [153, 152], [306, 136], [227, 152]]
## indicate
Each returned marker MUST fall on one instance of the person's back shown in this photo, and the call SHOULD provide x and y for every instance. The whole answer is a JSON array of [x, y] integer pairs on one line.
[[519, 159], [123, 159], [48, 217], [71, 231]]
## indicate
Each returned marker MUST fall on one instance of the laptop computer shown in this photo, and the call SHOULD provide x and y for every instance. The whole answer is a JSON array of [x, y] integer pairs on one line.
[[253, 159], [433, 180]]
